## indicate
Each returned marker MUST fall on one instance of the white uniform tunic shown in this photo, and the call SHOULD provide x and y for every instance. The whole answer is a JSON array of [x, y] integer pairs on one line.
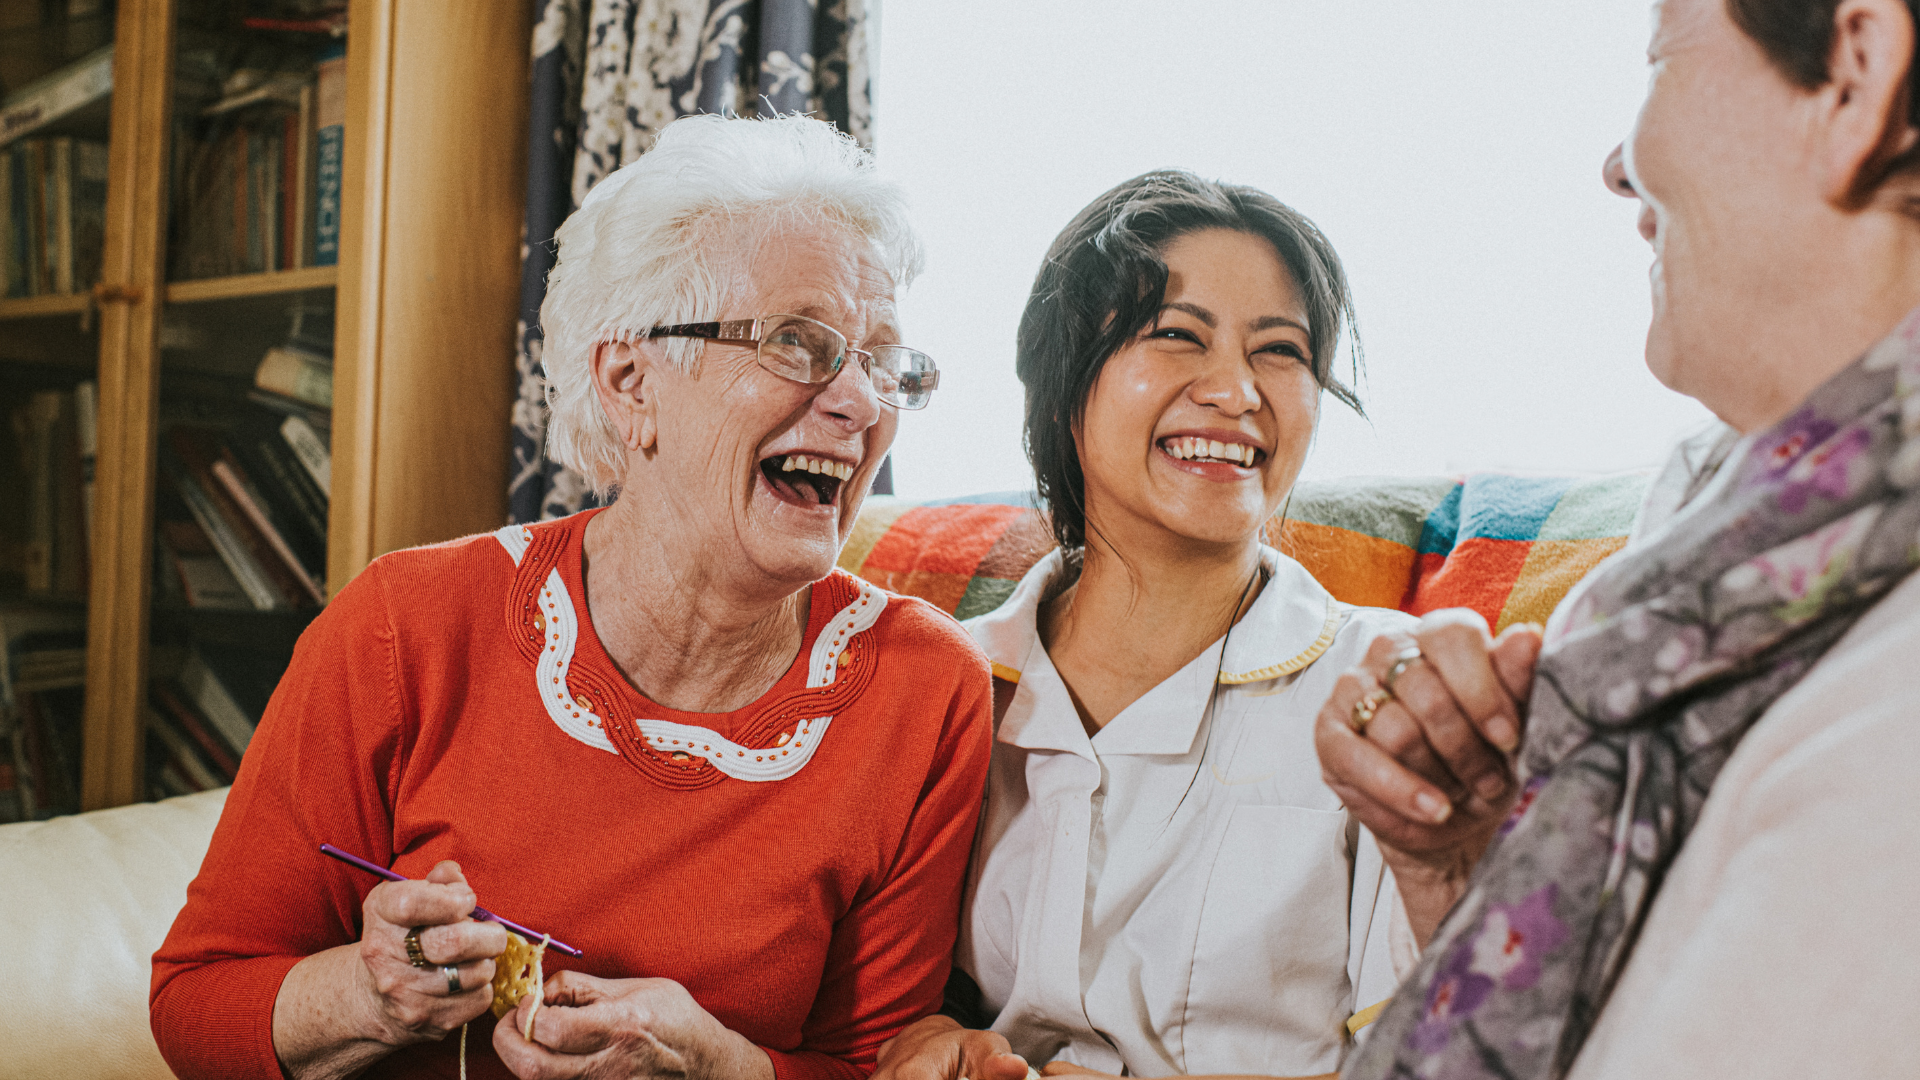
[[1181, 893]]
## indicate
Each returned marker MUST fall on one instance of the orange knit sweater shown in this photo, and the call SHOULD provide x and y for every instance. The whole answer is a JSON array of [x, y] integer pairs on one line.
[[814, 913]]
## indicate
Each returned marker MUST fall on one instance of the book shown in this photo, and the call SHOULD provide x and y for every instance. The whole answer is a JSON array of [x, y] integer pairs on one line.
[[218, 754], [254, 505], [182, 753], [330, 139], [223, 524], [53, 204], [74, 96], [13, 247], [305, 497], [86, 411], [212, 698], [311, 449], [195, 569], [290, 372], [53, 554], [88, 216]]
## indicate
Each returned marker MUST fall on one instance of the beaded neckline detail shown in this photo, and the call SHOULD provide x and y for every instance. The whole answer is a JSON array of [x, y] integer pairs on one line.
[[775, 744]]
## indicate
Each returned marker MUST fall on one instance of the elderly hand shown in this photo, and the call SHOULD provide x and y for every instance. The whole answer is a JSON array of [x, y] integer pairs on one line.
[[938, 1048], [593, 1027], [342, 1009], [420, 1003], [1431, 775]]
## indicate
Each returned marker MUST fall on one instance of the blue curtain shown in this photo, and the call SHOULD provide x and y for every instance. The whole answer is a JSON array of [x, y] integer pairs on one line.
[[607, 76]]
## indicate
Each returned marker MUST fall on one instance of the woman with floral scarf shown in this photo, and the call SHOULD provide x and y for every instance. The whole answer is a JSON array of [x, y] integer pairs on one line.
[[1700, 857]]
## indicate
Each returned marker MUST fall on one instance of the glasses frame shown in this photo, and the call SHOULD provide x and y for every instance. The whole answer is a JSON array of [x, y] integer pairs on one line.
[[749, 332]]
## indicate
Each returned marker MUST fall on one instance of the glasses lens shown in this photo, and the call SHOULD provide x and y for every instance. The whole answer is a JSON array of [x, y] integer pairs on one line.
[[903, 377], [801, 349]]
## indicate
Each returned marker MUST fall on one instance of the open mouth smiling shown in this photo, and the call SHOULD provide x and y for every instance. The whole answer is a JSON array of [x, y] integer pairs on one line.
[[805, 479], [1211, 451]]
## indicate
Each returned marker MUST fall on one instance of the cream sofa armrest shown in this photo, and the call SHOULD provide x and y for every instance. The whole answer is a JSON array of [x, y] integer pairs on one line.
[[84, 902]]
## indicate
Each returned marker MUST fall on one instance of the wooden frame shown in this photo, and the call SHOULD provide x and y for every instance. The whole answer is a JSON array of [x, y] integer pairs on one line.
[[427, 295]]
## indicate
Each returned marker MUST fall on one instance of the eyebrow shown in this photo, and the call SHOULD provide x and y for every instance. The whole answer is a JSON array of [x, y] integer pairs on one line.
[[1265, 322]]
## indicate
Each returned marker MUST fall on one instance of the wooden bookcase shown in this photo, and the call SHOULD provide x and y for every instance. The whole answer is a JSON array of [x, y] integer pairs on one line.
[[425, 299]]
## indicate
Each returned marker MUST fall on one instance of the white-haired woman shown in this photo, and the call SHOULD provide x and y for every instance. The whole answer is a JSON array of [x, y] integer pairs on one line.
[[668, 732]]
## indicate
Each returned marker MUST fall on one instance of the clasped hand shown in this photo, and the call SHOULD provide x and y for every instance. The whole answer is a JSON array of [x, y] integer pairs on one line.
[[1431, 775], [605, 1028]]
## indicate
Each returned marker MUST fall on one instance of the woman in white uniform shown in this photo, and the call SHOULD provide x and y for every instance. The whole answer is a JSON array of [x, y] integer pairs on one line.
[[1162, 883]]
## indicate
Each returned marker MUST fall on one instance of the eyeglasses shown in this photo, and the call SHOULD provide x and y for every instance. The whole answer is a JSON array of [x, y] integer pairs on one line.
[[809, 351]]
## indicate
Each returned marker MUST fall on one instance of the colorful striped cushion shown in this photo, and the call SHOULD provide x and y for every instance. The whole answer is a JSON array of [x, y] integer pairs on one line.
[[1508, 547]]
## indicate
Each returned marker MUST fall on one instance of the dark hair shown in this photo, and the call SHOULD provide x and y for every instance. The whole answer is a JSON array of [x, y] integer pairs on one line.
[[1797, 35], [1104, 281]]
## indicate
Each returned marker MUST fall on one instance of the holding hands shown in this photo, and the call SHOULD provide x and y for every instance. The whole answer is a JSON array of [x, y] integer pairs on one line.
[[593, 1027], [1419, 742]]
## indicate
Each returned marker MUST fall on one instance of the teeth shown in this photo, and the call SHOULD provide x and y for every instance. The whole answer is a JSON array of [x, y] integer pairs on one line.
[[1186, 449], [819, 466]]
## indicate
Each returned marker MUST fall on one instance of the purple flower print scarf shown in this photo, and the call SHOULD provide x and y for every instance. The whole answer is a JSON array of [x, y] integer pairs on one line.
[[1666, 658]]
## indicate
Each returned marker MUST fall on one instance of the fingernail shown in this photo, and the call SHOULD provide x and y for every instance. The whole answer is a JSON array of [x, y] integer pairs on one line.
[[1433, 806], [1491, 786], [1503, 733]]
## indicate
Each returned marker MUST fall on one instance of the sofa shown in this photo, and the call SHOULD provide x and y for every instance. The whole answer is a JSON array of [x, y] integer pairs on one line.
[[85, 900]]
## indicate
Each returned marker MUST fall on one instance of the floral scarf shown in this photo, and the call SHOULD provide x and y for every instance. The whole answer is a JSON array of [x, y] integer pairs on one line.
[[1645, 687]]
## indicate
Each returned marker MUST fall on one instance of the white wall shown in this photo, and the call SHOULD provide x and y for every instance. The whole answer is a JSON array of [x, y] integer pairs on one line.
[[1450, 148]]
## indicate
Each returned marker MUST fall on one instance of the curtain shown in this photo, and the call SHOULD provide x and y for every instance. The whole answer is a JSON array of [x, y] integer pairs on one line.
[[607, 76]]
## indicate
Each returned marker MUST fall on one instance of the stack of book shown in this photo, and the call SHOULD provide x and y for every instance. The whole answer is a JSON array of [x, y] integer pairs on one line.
[[41, 692], [257, 175], [46, 514], [53, 214], [200, 716], [244, 524]]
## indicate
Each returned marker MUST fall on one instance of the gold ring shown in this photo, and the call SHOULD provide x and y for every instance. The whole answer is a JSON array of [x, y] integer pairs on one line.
[[1368, 705], [1400, 665], [415, 954]]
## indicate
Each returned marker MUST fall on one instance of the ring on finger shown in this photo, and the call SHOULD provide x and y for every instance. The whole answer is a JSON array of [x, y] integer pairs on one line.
[[415, 954], [1365, 709], [1401, 663], [453, 978]]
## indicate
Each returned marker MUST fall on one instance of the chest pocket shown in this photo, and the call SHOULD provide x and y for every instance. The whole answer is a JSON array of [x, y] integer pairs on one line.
[[1268, 994]]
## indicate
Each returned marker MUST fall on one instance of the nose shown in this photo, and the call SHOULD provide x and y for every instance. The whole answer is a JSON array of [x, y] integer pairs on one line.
[[1614, 173], [1227, 385], [849, 400]]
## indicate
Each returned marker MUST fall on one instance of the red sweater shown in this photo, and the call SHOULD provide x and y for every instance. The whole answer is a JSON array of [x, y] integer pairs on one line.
[[815, 914]]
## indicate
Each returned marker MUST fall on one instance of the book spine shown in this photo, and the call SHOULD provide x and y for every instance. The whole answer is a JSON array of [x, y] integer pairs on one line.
[[215, 703], [313, 454], [301, 138], [42, 419], [286, 372], [86, 409], [237, 489], [237, 178], [330, 108], [293, 478], [84, 81], [60, 213], [69, 521], [89, 212], [35, 153], [10, 276]]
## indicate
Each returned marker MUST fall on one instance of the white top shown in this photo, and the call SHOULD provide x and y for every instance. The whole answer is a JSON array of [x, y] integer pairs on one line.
[[1181, 893], [1785, 942]]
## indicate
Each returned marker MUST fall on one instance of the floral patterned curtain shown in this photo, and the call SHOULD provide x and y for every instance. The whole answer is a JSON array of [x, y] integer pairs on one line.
[[607, 76]]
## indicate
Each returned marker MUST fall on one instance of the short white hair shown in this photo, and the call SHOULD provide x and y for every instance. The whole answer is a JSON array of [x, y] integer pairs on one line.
[[658, 243]]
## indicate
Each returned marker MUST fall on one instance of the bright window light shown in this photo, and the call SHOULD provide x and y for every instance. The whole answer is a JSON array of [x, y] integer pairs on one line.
[[1451, 151]]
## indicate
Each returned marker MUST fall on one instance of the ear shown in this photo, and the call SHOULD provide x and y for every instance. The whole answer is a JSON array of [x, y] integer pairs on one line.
[[1864, 117], [626, 380]]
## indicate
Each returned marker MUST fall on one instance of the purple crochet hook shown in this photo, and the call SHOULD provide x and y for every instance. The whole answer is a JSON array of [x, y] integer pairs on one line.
[[480, 914]]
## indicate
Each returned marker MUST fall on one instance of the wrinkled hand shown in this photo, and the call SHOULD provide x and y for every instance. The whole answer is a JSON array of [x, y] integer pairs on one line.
[[593, 1027], [938, 1048], [414, 1004], [1062, 1068], [1432, 776]]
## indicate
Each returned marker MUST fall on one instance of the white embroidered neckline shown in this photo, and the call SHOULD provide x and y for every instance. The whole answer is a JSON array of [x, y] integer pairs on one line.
[[732, 759]]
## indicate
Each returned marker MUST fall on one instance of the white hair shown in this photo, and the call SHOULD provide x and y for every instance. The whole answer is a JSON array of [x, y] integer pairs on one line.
[[657, 243]]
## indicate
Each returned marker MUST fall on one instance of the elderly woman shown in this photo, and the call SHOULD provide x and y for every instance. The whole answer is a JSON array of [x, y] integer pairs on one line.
[[1163, 883], [1710, 870], [668, 732]]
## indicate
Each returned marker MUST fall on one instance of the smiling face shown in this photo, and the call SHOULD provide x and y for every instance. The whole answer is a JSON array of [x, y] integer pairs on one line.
[[1719, 161], [756, 470], [1197, 428]]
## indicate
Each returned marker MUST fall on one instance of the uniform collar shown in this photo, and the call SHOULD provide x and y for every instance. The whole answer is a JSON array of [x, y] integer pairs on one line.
[[1291, 623]]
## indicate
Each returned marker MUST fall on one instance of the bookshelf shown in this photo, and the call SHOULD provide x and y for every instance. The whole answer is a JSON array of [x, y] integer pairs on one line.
[[423, 303]]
